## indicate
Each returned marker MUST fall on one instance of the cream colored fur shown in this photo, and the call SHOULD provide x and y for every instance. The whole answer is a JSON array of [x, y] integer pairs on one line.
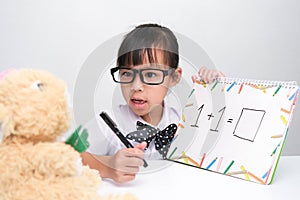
[[33, 113]]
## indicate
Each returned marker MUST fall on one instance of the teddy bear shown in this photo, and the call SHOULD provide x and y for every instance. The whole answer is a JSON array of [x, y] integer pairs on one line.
[[33, 164]]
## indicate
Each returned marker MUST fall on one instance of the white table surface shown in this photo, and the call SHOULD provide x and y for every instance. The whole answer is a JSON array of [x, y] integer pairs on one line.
[[178, 181]]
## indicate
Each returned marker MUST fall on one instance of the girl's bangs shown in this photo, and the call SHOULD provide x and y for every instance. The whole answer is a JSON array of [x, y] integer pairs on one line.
[[142, 56]]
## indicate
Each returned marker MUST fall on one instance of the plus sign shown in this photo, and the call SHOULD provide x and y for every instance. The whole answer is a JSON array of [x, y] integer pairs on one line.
[[210, 116]]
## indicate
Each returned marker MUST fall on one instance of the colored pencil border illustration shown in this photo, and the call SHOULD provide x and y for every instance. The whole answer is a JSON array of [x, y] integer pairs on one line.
[[242, 174], [217, 164]]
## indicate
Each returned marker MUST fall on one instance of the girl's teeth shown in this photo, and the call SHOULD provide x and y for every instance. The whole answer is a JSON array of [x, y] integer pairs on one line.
[[138, 101]]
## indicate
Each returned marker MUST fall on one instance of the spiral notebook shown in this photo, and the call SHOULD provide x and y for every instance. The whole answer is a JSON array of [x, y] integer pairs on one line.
[[235, 127]]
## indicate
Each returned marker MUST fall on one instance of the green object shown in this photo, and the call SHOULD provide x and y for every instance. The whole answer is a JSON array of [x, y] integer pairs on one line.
[[79, 140], [277, 90], [228, 167], [191, 92], [213, 87], [276, 164], [173, 152]]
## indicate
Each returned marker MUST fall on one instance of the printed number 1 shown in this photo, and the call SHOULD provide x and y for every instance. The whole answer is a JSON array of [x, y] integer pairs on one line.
[[200, 110]]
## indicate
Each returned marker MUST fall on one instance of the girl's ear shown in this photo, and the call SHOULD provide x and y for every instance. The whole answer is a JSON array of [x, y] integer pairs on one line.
[[176, 76]]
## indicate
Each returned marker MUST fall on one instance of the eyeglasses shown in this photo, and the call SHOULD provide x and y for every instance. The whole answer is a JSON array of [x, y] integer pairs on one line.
[[149, 76]]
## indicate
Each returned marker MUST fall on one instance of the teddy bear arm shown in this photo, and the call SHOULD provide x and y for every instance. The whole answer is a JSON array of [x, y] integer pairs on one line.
[[56, 159]]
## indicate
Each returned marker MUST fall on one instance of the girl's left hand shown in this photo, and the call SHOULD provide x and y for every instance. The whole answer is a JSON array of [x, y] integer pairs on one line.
[[208, 75]]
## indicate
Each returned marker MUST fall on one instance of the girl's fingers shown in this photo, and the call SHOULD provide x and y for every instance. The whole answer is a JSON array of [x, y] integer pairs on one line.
[[134, 152], [209, 75], [194, 78], [200, 73], [204, 74], [220, 74], [123, 177], [141, 146]]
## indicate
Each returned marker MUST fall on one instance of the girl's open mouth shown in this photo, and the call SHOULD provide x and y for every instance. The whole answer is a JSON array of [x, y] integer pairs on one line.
[[138, 103]]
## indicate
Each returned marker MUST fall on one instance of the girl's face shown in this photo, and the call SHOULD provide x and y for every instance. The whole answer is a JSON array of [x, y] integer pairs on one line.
[[147, 100]]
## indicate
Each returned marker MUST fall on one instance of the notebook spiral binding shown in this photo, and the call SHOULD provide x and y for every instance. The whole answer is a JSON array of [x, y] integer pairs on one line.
[[259, 83]]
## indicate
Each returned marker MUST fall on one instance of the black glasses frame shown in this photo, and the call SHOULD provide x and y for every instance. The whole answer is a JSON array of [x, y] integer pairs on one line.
[[139, 71]]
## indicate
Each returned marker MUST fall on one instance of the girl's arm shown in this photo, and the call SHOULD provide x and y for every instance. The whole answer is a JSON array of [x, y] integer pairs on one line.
[[121, 167]]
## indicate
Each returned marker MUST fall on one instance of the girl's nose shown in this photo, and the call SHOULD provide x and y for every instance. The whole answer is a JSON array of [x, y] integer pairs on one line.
[[137, 84]]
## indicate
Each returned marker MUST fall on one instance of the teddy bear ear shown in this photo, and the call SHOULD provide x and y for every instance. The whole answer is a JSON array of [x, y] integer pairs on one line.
[[4, 73]]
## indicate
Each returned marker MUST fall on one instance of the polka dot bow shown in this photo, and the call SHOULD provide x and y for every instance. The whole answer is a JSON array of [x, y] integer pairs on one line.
[[162, 138]]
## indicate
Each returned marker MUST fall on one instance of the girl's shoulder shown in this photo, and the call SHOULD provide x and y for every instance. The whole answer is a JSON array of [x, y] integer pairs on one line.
[[171, 111], [170, 116]]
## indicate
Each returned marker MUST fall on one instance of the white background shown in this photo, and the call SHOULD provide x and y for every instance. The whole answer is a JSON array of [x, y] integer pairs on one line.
[[257, 39]]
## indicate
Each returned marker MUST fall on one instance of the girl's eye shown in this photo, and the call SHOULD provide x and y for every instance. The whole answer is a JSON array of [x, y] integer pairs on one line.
[[126, 74], [150, 75]]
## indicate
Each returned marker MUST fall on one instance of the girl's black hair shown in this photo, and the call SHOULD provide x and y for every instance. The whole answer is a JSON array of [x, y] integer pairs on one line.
[[147, 40]]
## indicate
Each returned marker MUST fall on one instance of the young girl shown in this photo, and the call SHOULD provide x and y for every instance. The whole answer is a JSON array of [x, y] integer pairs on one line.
[[147, 67]]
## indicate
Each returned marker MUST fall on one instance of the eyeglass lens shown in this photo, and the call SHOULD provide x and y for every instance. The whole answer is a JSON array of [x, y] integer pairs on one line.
[[151, 76]]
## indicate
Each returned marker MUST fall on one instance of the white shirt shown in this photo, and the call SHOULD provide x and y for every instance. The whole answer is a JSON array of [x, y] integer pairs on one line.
[[103, 141]]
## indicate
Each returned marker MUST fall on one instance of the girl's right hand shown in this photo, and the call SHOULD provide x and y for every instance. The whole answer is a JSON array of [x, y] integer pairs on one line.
[[208, 75], [125, 164]]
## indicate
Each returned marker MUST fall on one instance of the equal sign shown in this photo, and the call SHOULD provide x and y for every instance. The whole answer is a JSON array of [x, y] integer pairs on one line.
[[230, 120]]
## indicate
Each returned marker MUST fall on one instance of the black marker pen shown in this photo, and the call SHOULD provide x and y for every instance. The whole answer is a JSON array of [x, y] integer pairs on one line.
[[114, 128]]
